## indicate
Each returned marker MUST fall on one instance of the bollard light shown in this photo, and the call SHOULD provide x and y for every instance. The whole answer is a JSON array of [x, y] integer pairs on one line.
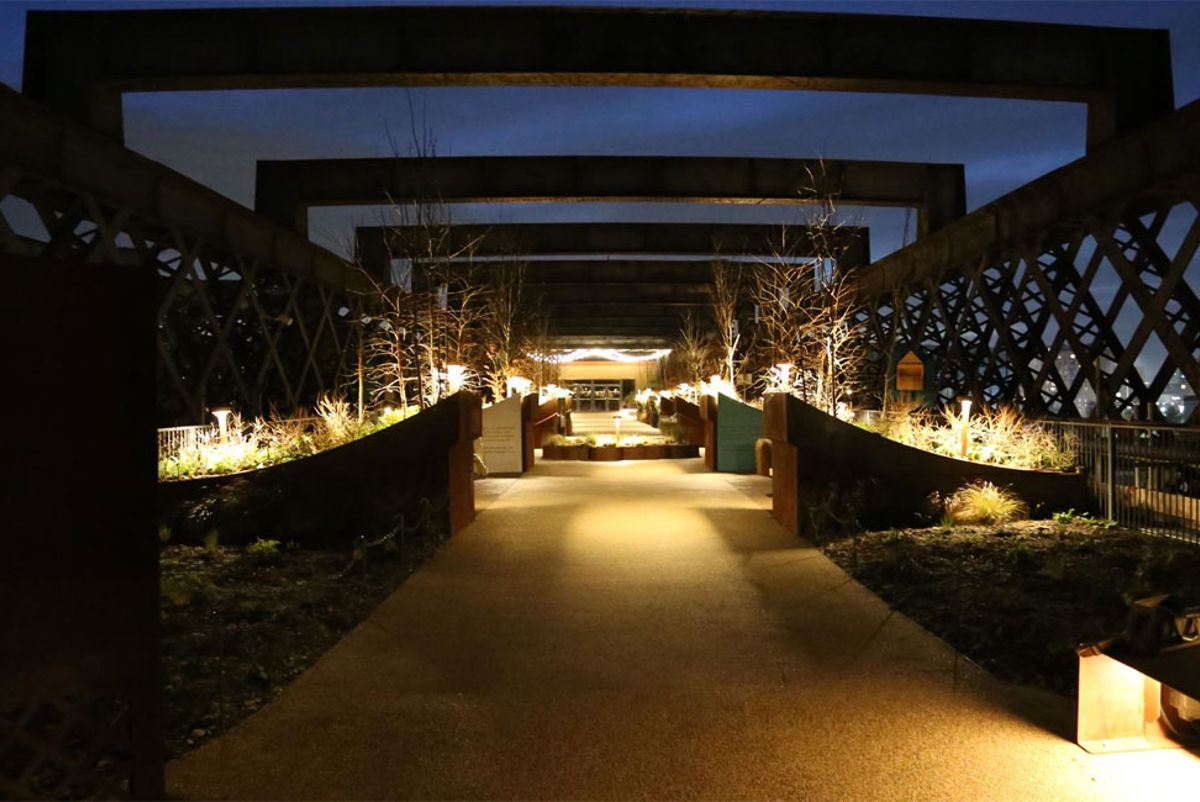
[[222, 415], [966, 423], [617, 426]]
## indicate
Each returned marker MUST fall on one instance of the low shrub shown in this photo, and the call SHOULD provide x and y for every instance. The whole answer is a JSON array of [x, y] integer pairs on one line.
[[263, 552], [564, 440], [984, 503]]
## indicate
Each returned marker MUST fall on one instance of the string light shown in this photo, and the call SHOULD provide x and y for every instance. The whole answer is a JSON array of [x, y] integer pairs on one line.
[[610, 354]]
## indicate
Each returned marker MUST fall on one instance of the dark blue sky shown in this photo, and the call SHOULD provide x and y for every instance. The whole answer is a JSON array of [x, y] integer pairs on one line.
[[216, 136]]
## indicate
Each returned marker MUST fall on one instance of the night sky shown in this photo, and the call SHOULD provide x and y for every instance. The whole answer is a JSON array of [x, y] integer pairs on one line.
[[215, 136]]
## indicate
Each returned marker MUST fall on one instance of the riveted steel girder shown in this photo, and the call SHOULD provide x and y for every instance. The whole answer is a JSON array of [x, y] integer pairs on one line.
[[285, 190], [375, 246], [81, 61]]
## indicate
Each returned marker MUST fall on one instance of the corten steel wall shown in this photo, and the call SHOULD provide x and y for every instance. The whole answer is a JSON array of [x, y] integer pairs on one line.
[[249, 313], [80, 684], [996, 302], [285, 190], [81, 62], [355, 490], [823, 466]]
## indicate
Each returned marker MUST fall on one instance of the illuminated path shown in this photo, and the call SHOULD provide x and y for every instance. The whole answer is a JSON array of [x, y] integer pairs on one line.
[[644, 630]]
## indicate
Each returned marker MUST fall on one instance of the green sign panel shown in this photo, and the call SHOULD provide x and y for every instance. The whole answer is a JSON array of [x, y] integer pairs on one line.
[[738, 427]]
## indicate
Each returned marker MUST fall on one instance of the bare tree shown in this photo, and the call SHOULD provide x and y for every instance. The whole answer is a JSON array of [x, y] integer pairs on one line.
[[534, 362], [726, 293], [387, 359], [809, 313], [693, 350], [506, 324]]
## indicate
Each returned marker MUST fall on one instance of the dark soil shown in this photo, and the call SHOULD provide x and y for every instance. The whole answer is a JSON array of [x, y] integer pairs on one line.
[[238, 626], [1018, 599]]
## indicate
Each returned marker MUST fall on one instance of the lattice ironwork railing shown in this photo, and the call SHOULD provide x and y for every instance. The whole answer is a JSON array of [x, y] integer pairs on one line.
[[1098, 319], [232, 330]]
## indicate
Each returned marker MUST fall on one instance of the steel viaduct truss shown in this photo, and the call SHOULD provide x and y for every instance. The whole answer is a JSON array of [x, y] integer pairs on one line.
[[81, 62], [995, 298], [249, 313], [601, 319], [376, 244], [285, 190]]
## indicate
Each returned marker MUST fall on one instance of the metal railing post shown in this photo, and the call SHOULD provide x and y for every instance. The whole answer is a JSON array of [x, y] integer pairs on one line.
[[1110, 460]]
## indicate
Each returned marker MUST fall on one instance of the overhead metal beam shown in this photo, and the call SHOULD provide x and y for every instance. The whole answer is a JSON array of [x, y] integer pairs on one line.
[[626, 292], [1160, 155], [80, 62], [286, 190], [375, 246], [619, 271]]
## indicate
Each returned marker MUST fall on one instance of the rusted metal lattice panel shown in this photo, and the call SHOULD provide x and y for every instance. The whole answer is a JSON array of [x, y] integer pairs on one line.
[[249, 315]]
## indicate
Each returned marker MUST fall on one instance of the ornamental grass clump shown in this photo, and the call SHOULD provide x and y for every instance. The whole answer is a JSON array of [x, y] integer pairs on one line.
[[1000, 436], [985, 503], [269, 441]]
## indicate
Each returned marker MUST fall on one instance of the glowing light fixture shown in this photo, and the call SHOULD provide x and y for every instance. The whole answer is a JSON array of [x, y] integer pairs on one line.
[[222, 415], [518, 385], [610, 354], [966, 423], [717, 386], [456, 377], [780, 378]]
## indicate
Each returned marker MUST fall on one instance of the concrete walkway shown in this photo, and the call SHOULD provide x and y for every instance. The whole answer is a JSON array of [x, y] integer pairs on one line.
[[602, 423], [644, 630]]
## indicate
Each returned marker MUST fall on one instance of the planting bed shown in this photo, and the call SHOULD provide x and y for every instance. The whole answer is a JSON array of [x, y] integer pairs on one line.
[[237, 628], [1019, 598]]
